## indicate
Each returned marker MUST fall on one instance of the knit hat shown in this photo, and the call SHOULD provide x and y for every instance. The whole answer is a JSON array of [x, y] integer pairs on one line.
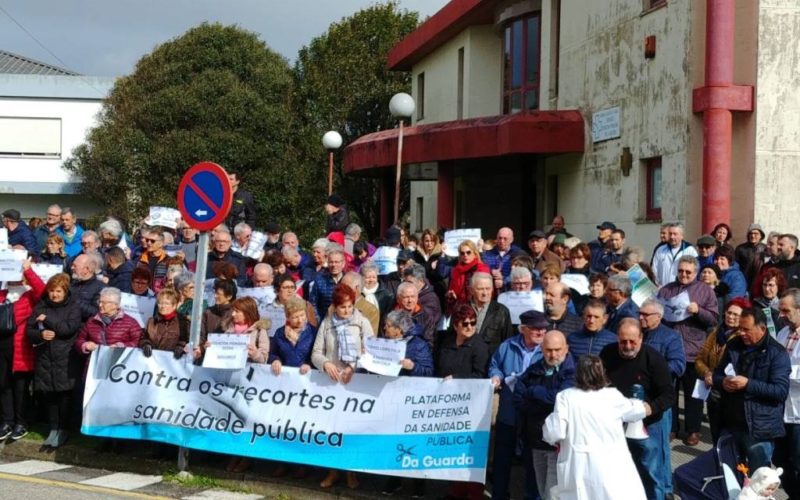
[[756, 227], [335, 200], [714, 268]]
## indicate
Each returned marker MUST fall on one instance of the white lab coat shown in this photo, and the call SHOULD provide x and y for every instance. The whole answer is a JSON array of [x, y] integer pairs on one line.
[[593, 460]]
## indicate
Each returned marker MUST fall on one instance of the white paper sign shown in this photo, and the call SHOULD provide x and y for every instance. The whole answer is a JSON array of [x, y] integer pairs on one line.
[[605, 124], [255, 246], [520, 302], [383, 356], [701, 391], [675, 308], [277, 318], [3, 237], [641, 286], [164, 217], [47, 271], [11, 264], [139, 308], [454, 238], [264, 296], [386, 259], [228, 351], [577, 282], [730, 370]]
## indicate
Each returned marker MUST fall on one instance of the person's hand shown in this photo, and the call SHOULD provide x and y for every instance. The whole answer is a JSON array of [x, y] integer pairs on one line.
[[331, 370], [347, 374], [48, 334], [104, 279], [40, 318], [407, 364], [647, 410], [147, 350], [692, 308], [434, 264], [276, 367], [179, 351], [118, 344], [207, 344], [496, 382], [708, 379], [304, 368], [735, 383], [89, 346], [197, 353], [26, 264], [447, 378], [451, 295], [252, 352]]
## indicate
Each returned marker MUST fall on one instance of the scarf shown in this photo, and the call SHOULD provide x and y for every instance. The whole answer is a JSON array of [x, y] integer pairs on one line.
[[168, 317], [348, 350], [240, 328], [369, 294]]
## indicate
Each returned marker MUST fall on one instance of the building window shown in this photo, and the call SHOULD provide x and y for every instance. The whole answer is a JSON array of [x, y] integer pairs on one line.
[[460, 88], [37, 137], [521, 59], [653, 189], [420, 96]]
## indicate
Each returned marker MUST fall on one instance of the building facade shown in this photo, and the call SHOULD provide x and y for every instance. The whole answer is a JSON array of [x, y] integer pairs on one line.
[[45, 112], [613, 110]]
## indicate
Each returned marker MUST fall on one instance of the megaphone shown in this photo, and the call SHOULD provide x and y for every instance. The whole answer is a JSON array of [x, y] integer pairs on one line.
[[636, 430]]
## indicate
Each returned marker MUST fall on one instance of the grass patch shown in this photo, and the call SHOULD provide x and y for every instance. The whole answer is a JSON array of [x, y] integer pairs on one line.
[[204, 482]]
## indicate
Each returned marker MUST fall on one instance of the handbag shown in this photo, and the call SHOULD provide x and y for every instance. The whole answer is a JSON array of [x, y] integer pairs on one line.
[[8, 325]]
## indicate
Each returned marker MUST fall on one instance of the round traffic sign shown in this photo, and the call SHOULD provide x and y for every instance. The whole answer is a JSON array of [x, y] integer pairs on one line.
[[205, 196]]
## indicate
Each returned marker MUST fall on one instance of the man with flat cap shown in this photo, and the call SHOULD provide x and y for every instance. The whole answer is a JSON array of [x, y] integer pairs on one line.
[[19, 234], [508, 362], [537, 244]]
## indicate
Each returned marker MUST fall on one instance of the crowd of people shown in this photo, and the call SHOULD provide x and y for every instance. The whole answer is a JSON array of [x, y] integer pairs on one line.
[[567, 374]]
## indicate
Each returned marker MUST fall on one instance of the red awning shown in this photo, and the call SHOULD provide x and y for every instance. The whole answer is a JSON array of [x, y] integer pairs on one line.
[[541, 132]]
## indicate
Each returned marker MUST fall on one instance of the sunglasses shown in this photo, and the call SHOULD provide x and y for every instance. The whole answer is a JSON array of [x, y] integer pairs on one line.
[[469, 323], [150, 240], [468, 252]]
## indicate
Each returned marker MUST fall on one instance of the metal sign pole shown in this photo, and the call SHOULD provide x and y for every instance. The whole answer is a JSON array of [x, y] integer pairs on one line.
[[196, 318]]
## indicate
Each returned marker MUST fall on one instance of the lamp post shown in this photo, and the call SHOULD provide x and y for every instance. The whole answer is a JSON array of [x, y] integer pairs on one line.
[[332, 141], [401, 106]]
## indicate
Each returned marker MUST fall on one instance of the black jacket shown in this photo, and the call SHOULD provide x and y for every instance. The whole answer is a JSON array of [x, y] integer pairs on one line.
[[337, 221], [568, 323], [767, 368], [234, 258], [649, 369], [470, 360], [56, 365], [243, 209], [121, 276], [496, 326], [86, 294]]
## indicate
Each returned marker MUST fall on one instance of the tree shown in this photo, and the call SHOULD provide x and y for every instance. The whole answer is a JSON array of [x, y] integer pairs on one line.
[[216, 93], [343, 84]]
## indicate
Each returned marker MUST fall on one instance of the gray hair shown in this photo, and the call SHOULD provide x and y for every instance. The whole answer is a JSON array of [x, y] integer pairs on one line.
[[416, 271], [367, 267], [68, 210], [655, 304], [112, 294], [287, 235], [520, 272], [794, 293], [90, 234], [621, 283], [689, 259], [479, 276], [320, 243], [352, 230], [182, 280], [633, 323], [289, 252], [406, 286], [112, 227], [96, 261], [401, 319], [632, 256], [55, 206], [240, 228], [333, 248], [223, 228], [677, 225], [355, 278], [773, 234]]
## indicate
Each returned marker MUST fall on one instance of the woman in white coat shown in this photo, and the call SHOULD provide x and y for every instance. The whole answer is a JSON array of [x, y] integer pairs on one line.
[[593, 458]]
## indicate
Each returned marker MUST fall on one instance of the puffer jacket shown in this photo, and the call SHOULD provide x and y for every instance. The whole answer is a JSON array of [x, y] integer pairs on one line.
[[55, 359], [418, 351], [86, 293], [508, 360], [18, 345], [767, 368], [289, 354], [122, 329], [166, 334]]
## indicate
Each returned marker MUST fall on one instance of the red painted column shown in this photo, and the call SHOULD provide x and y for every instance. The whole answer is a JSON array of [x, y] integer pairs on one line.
[[717, 121], [445, 195]]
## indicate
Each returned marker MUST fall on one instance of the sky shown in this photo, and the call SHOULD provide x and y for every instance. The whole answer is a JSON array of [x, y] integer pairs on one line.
[[107, 37]]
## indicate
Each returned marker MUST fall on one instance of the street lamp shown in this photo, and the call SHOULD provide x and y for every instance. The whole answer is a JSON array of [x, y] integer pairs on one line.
[[332, 141], [401, 106]]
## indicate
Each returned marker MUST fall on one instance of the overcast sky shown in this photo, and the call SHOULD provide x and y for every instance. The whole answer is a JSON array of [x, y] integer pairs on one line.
[[107, 37]]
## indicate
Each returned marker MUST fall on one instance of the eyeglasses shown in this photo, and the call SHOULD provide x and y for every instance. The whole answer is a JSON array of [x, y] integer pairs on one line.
[[85, 243], [288, 287], [469, 323], [466, 252], [149, 240], [685, 271], [222, 241]]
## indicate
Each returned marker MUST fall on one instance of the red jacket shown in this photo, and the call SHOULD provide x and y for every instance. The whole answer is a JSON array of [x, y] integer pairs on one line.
[[24, 356], [122, 329], [461, 275]]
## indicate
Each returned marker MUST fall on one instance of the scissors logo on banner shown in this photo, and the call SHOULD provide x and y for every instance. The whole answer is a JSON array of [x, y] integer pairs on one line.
[[404, 452]]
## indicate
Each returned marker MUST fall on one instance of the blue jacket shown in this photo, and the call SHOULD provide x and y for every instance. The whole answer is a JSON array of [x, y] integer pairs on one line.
[[507, 359], [703, 262], [669, 344], [121, 276], [72, 246], [292, 355], [321, 296], [41, 234], [767, 367], [535, 396], [418, 351], [628, 309], [492, 259], [582, 342], [23, 235], [737, 284]]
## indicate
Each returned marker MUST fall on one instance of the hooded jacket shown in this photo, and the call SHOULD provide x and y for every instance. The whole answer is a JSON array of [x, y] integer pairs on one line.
[[55, 366]]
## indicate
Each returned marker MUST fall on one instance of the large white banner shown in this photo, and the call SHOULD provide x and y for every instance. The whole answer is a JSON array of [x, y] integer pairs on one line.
[[404, 426]]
